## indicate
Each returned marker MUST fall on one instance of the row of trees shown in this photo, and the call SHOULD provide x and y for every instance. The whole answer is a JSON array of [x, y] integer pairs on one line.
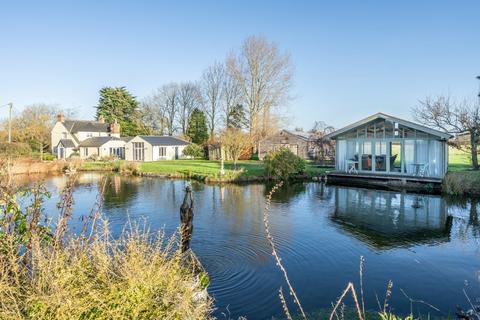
[[244, 92]]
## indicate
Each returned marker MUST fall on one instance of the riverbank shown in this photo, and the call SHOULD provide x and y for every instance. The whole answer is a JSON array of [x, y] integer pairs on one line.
[[201, 170]]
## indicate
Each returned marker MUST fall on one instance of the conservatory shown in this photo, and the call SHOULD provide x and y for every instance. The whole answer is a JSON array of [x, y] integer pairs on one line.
[[388, 146]]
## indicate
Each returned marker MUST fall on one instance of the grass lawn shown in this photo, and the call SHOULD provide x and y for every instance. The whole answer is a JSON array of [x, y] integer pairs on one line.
[[458, 160], [211, 169]]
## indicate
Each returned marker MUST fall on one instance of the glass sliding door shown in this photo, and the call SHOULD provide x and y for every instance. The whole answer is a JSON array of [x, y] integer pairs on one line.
[[410, 165], [395, 157], [366, 161], [381, 156]]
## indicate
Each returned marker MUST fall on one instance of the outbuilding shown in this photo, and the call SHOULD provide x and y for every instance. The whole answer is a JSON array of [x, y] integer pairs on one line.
[[155, 148]]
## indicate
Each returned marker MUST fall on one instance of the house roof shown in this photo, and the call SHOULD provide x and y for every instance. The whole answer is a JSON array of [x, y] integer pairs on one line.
[[67, 143], [380, 115], [98, 141], [75, 126], [300, 134], [164, 141]]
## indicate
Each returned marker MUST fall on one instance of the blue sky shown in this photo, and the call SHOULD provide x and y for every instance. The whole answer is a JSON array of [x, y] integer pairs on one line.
[[351, 59]]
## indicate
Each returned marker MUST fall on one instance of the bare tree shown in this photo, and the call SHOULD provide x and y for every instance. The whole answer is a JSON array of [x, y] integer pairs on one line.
[[235, 142], [212, 82], [189, 99], [170, 95], [264, 75], [231, 98], [322, 148], [452, 117], [152, 114]]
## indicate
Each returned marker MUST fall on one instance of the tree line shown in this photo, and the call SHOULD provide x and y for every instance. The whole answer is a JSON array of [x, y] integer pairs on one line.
[[243, 92]]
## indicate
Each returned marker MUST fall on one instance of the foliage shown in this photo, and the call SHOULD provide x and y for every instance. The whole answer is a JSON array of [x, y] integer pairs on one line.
[[116, 103], [197, 127], [33, 125], [283, 164], [237, 117], [194, 150], [391, 316], [127, 167], [15, 149], [462, 183], [89, 276], [235, 142]]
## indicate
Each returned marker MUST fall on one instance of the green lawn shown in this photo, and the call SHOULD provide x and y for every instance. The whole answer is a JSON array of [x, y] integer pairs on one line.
[[458, 160], [211, 169]]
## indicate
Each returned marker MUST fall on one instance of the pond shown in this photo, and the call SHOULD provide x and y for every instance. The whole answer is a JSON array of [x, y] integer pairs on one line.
[[427, 245]]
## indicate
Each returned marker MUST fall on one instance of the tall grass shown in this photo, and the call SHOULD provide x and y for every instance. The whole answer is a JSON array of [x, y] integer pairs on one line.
[[48, 273]]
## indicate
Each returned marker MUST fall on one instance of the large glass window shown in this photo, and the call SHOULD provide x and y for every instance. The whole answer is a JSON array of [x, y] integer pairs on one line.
[[367, 156], [138, 151], [410, 166], [380, 156]]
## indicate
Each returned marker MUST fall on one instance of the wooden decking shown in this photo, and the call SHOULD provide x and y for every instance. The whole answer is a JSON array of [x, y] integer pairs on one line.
[[381, 176], [385, 181]]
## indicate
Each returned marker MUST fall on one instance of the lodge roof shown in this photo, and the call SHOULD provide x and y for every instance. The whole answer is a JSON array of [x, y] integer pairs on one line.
[[380, 115]]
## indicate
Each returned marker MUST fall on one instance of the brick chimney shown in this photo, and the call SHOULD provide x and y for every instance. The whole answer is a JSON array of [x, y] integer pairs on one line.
[[101, 119], [60, 117], [115, 129]]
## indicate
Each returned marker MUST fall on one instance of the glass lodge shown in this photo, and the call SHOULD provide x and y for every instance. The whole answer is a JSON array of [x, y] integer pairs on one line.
[[389, 146]]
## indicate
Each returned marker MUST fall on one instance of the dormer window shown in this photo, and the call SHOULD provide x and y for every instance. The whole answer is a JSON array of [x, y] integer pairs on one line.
[[89, 135]]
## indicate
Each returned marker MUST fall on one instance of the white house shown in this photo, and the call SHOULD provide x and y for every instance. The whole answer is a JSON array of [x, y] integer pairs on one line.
[[154, 148], [66, 135]]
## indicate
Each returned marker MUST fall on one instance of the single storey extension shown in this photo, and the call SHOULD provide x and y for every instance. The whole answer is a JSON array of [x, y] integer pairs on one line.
[[103, 147], [154, 148]]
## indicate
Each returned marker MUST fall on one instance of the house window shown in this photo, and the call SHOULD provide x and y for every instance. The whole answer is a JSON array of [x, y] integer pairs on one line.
[[162, 151], [89, 135], [117, 152], [64, 135], [86, 152], [138, 151]]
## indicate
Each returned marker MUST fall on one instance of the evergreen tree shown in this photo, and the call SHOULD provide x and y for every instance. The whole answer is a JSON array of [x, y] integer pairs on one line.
[[197, 127], [237, 117], [117, 103]]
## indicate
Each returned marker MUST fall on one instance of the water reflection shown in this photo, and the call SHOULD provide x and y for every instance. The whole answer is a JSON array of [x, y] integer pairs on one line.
[[386, 219]]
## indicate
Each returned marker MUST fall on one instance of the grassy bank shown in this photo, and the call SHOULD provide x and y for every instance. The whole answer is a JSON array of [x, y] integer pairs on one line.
[[210, 170], [461, 179]]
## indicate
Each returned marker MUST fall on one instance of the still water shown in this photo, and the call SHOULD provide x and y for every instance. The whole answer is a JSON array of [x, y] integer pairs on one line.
[[427, 245]]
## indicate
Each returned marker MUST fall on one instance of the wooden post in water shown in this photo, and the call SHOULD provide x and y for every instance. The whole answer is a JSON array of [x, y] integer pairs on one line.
[[186, 220]]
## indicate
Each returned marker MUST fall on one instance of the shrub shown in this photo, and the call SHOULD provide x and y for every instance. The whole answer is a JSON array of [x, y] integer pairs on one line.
[[127, 167], [194, 150], [462, 183], [283, 164], [15, 149]]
